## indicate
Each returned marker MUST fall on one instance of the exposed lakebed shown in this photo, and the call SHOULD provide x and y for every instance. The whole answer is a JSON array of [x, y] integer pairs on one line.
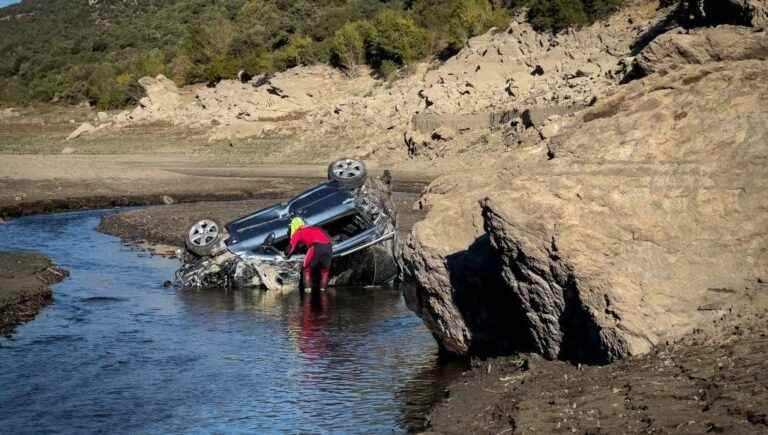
[[118, 352]]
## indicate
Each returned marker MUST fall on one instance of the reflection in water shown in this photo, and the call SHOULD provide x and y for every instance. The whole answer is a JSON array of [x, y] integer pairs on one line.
[[119, 353], [313, 331]]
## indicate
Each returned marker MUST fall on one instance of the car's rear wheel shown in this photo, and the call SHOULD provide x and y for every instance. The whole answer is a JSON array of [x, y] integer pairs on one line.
[[350, 173], [203, 237]]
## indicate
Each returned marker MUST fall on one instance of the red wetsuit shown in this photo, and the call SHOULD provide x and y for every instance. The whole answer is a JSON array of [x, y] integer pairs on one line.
[[319, 253]]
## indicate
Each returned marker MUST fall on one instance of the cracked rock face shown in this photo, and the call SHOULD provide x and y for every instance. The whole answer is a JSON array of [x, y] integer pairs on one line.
[[651, 211], [705, 45]]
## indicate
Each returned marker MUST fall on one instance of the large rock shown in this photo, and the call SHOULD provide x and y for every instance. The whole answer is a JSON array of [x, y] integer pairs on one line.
[[649, 218], [705, 45]]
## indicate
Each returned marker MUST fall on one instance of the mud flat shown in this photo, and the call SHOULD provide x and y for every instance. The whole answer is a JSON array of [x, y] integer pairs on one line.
[[24, 287], [710, 381]]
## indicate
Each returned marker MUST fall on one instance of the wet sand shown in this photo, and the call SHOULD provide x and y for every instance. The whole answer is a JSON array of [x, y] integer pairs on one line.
[[712, 381], [24, 287]]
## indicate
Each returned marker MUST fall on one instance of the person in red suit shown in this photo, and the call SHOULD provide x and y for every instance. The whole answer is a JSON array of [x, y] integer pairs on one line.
[[319, 252]]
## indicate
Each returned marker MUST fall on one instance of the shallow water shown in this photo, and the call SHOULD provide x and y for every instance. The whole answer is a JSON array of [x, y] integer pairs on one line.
[[117, 352]]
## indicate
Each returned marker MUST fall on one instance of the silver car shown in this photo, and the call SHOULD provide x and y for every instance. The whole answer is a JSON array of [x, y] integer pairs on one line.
[[355, 210]]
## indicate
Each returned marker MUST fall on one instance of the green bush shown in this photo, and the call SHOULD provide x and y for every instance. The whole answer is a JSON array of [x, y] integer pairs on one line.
[[347, 47], [388, 70], [299, 51], [103, 90], [450, 23], [557, 15], [68, 53], [396, 38]]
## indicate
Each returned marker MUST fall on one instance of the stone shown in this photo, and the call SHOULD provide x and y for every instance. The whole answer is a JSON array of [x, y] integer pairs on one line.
[[68, 150], [102, 116], [549, 130], [656, 195], [8, 113], [167, 200], [84, 128]]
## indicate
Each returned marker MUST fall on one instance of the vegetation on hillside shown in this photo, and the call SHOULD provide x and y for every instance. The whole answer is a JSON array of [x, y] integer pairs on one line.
[[71, 51]]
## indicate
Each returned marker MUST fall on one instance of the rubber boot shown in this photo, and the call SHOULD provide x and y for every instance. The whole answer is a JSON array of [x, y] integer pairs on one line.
[[325, 276], [307, 280]]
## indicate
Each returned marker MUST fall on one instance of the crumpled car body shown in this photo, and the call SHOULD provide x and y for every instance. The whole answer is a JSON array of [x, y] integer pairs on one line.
[[361, 222]]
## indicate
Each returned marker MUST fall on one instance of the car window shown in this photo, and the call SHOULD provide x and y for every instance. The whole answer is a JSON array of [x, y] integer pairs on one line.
[[346, 227]]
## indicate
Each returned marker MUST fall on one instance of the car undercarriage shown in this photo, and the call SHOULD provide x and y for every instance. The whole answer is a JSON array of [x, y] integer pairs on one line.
[[356, 212]]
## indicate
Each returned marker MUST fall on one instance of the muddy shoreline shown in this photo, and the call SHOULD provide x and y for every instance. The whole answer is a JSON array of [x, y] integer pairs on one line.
[[710, 381], [25, 280]]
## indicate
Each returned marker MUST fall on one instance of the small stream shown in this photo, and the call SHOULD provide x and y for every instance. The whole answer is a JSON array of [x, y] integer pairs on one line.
[[118, 353]]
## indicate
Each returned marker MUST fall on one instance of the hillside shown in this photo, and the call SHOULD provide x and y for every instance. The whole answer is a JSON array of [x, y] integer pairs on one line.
[[71, 51]]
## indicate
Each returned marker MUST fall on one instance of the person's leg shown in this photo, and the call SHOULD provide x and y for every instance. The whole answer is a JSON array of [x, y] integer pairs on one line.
[[325, 258], [308, 265], [307, 280], [325, 276]]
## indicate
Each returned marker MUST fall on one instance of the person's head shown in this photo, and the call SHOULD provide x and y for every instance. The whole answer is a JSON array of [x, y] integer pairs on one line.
[[296, 224]]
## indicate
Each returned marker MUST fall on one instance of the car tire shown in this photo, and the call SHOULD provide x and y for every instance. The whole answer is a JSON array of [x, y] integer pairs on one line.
[[350, 173], [204, 237]]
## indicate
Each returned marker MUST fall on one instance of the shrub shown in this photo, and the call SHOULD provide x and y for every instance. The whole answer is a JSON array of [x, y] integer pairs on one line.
[[347, 47], [388, 70], [557, 15], [452, 22], [299, 51], [396, 38]]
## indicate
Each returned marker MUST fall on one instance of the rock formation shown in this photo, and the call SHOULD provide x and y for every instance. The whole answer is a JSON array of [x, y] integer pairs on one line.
[[623, 230], [700, 46]]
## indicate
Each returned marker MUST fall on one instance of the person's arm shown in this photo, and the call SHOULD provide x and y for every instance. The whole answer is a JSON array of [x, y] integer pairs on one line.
[[294, 244]]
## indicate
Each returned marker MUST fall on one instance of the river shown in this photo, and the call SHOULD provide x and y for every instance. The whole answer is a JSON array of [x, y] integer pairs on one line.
[[117, 352]]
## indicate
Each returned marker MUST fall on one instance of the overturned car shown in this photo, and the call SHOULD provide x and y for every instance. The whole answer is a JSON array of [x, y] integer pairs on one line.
[[355, 210]]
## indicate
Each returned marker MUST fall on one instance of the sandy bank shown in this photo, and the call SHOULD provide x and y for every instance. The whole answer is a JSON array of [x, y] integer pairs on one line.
[[24, 287], [32, 184]]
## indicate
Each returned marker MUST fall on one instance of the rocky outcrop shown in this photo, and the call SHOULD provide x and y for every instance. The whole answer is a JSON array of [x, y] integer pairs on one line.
[[704, 45], [631, 226]]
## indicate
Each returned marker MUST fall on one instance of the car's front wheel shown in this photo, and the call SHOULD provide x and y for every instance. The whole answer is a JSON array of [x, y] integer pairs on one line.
[[350, 173], [203, 237]]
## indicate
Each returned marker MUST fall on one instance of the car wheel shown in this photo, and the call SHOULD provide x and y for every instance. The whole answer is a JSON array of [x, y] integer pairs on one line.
[[350, 173], [203, 237]]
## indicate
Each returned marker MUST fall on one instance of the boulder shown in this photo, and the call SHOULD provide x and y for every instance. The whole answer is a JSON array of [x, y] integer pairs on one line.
[[700, 46], [650, 205], [162, 95], [68, 150]]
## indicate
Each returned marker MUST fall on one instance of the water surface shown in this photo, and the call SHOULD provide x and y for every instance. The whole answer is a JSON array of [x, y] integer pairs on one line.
[[117, 352]]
